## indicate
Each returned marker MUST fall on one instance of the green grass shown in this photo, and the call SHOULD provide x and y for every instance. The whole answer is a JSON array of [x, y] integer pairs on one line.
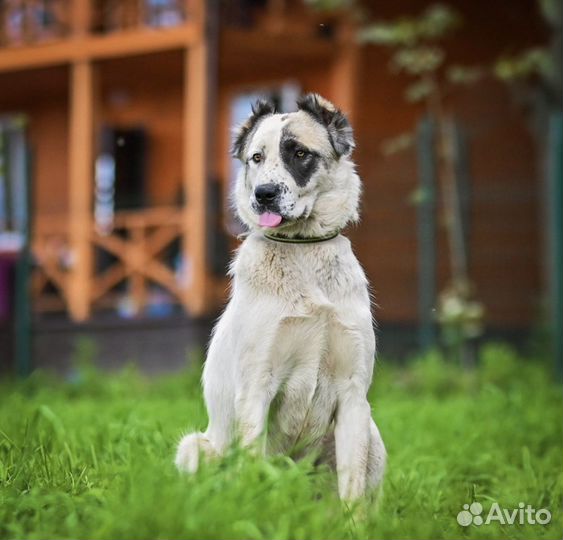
[[92, 458]]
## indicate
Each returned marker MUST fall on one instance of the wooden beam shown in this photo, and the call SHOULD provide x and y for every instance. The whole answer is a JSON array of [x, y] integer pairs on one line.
[[346, 71], [138, 257], [195, 10], [110, 278], [81, 167], [80, 18], [195, 179], [141, 41], [49, 54], [161, 274], [112, 244], [158, 240], [148, 217], [125, 43], [54, 274]]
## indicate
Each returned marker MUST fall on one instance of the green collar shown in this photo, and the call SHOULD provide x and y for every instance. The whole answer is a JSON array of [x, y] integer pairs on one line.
[[298, 240]]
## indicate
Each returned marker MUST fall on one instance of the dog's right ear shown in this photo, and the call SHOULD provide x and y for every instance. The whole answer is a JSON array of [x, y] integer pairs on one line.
[[337, 125], [260, 109]]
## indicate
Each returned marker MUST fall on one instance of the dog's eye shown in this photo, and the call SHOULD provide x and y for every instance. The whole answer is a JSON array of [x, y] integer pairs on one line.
[[257, 158], [300, 153]]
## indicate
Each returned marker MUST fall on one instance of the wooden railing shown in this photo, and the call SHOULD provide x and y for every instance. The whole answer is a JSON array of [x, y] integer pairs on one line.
[[85, 29], [137, 243], [52, 257], [29, 22], [81, 48]]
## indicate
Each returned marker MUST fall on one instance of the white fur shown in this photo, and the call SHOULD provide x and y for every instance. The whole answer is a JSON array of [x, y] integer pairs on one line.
[[298, 328]]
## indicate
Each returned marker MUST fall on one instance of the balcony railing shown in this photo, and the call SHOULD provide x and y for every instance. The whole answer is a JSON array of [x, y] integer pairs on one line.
[[24, 22], [138, 244], [43, 33], [32, 22]]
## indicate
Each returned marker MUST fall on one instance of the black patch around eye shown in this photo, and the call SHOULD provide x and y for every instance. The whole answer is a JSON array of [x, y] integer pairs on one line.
[[301, 168]]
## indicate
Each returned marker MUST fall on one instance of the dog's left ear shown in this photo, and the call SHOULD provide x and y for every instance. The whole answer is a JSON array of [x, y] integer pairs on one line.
[[340, 131]]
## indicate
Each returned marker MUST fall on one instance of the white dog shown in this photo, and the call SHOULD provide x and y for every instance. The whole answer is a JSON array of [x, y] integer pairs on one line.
[[291, 359]]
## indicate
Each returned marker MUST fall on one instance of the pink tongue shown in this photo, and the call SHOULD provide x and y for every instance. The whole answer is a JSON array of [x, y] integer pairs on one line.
[[268, 219]]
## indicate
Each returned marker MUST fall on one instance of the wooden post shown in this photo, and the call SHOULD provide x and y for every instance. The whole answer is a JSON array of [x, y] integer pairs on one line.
[[195, 176], [138, 247], [555, 236], [345, 72], [81, 17], [80, 187]]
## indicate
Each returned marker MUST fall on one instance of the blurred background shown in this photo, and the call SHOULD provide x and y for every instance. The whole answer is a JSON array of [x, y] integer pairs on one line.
[[115, 172]]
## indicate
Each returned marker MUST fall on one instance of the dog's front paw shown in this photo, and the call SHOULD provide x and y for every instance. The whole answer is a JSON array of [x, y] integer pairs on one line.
[[189, 450]]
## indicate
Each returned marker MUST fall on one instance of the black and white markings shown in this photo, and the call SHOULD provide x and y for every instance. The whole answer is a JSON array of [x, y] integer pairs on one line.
[[298, 160], [260, 110], [335, 122]]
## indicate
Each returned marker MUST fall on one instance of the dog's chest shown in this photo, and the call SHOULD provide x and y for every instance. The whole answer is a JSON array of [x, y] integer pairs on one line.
[[297, 274], [312, 287], [305, 403]]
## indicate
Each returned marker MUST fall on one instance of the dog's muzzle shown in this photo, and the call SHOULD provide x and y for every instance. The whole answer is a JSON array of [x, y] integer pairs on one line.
[[267, 196]]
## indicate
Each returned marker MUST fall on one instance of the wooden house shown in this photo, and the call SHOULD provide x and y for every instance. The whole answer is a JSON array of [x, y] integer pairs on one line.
[[129, 106]]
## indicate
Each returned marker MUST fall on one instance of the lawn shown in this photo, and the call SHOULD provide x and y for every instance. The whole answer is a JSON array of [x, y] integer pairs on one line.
[[91, 457]]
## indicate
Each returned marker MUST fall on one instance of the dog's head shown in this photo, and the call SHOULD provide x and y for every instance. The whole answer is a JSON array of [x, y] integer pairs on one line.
[[297, 175]]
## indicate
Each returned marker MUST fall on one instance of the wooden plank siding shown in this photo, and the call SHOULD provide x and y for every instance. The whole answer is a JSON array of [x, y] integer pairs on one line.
[[505, 247]]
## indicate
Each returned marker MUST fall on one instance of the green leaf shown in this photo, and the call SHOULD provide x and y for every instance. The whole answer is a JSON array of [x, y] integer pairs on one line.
[[551, 10], [397, 144], [464, 74], [419, 90], [438, 21], [434, 23], [536, 61], [418, 60], [419, 196], [399, 33]]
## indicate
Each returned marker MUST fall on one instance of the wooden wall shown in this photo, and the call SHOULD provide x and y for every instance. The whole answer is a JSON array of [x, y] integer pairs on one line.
[[505, 235], [146, 91]]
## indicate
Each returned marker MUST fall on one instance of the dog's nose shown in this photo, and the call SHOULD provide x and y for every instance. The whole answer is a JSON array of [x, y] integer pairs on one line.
[[266, 193]]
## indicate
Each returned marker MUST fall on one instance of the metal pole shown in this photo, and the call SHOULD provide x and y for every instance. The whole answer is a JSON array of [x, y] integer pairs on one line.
[[426, 216], [555, 190], [22, 321]]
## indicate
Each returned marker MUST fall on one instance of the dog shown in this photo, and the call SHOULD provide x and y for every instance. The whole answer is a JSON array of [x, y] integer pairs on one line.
[[291, 359]]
